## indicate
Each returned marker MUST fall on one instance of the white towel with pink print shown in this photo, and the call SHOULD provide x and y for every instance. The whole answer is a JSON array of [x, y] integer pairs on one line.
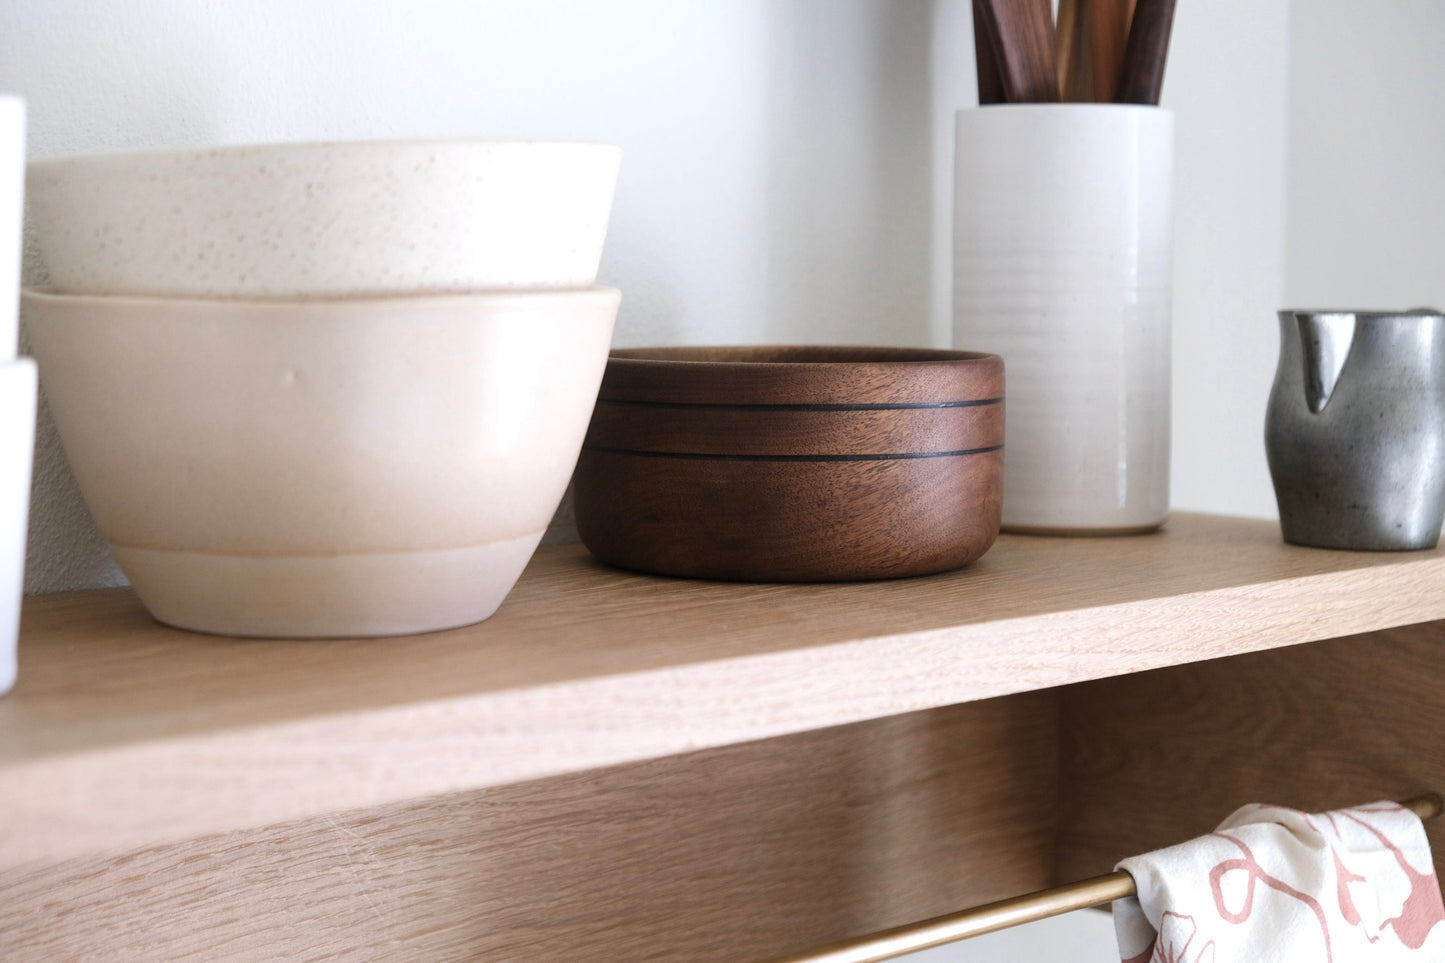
[[1274, 885]]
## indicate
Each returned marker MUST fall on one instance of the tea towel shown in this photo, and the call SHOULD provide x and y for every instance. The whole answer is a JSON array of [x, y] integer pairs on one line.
[[1275, 885]]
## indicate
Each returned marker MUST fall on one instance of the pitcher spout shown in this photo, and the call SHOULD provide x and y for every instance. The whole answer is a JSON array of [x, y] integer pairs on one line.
[[1325, 340]]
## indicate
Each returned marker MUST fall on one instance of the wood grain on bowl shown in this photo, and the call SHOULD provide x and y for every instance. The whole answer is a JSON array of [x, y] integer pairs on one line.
[[793, 463]]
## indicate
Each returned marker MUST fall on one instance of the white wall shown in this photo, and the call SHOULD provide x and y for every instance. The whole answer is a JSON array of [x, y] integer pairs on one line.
[[1227, 81], [1083, 937], [1366, 187]]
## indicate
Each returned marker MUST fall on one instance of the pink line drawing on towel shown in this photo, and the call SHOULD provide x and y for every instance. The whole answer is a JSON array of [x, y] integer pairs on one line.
[[1343, 879], [1422, 909], [1166, 947], [1256, 873]]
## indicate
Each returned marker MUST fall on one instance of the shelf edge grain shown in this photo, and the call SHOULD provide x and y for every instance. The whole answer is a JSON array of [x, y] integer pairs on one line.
[[139, 793]]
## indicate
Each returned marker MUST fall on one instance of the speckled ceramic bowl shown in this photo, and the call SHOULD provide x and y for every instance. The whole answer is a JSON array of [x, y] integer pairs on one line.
[[322, 468], [324, 220]]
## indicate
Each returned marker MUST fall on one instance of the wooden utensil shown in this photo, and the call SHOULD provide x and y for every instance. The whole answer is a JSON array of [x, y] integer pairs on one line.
[[1075, 70], [1022, 33], [793, 464], [1142, 73], [1064, 21], [990, 83], [1108, 29]]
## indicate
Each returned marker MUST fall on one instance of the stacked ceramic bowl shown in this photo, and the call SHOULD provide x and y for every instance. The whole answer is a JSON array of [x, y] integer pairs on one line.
[[329, 389], [17, 390]]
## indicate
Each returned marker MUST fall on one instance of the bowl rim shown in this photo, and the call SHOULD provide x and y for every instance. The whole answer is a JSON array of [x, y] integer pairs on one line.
[[528, 295], [1065, 108], [930, 357], [1362, 314], [362, 145]]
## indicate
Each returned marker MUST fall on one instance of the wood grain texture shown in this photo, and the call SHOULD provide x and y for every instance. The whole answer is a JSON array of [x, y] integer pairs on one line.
[[1022, 35], [990, 81], [1108, 29], [728, 855], [122, 733], [789, 521], [1079, 79], [1141, 79], [1161, 757], [701, 430], [1068, 29], [709, 463]]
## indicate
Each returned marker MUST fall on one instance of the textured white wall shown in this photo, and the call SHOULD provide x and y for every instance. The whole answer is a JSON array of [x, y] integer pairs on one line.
[[1366, 187], [1083, 937], [1227, 81]]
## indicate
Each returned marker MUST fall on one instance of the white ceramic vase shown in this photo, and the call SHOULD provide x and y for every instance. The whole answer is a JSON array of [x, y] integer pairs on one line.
[[1063, 262], [17, 389]]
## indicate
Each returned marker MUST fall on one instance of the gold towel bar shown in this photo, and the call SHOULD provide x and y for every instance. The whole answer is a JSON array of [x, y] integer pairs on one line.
[[1099, 891]]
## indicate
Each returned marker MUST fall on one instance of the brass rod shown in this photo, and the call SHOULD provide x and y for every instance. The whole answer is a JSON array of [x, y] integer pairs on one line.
[[1098, 891]]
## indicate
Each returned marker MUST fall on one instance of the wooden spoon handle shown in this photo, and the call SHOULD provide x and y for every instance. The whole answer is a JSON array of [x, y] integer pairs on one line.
[[1068, 15], [1108, 34], [1075, 69], [990, 81], [1142, 74], [1022, 32]]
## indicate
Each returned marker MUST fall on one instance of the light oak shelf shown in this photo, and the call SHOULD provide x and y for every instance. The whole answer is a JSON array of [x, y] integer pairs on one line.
[[624, 767], [123, 733]]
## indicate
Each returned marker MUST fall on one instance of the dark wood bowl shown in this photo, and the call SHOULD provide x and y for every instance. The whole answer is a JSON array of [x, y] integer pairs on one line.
[[793, 463]]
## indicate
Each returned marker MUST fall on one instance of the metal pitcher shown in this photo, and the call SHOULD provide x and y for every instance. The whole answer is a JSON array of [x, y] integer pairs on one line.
[[1355, 430]]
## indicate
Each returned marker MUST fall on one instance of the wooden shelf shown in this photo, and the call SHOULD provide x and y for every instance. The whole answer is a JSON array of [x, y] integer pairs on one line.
[[123, 733]]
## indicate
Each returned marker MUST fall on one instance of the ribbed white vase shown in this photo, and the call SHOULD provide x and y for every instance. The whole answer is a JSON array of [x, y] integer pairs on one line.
[[12, 205], [17, 389], [1063, 254]]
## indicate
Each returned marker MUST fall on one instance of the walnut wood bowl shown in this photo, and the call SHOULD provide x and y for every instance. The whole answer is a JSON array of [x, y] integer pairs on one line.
[[793, 463]]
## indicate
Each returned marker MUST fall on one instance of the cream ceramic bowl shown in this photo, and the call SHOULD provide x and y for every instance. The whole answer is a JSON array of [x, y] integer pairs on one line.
[[322, 469], [324, 220], [17, 442]]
